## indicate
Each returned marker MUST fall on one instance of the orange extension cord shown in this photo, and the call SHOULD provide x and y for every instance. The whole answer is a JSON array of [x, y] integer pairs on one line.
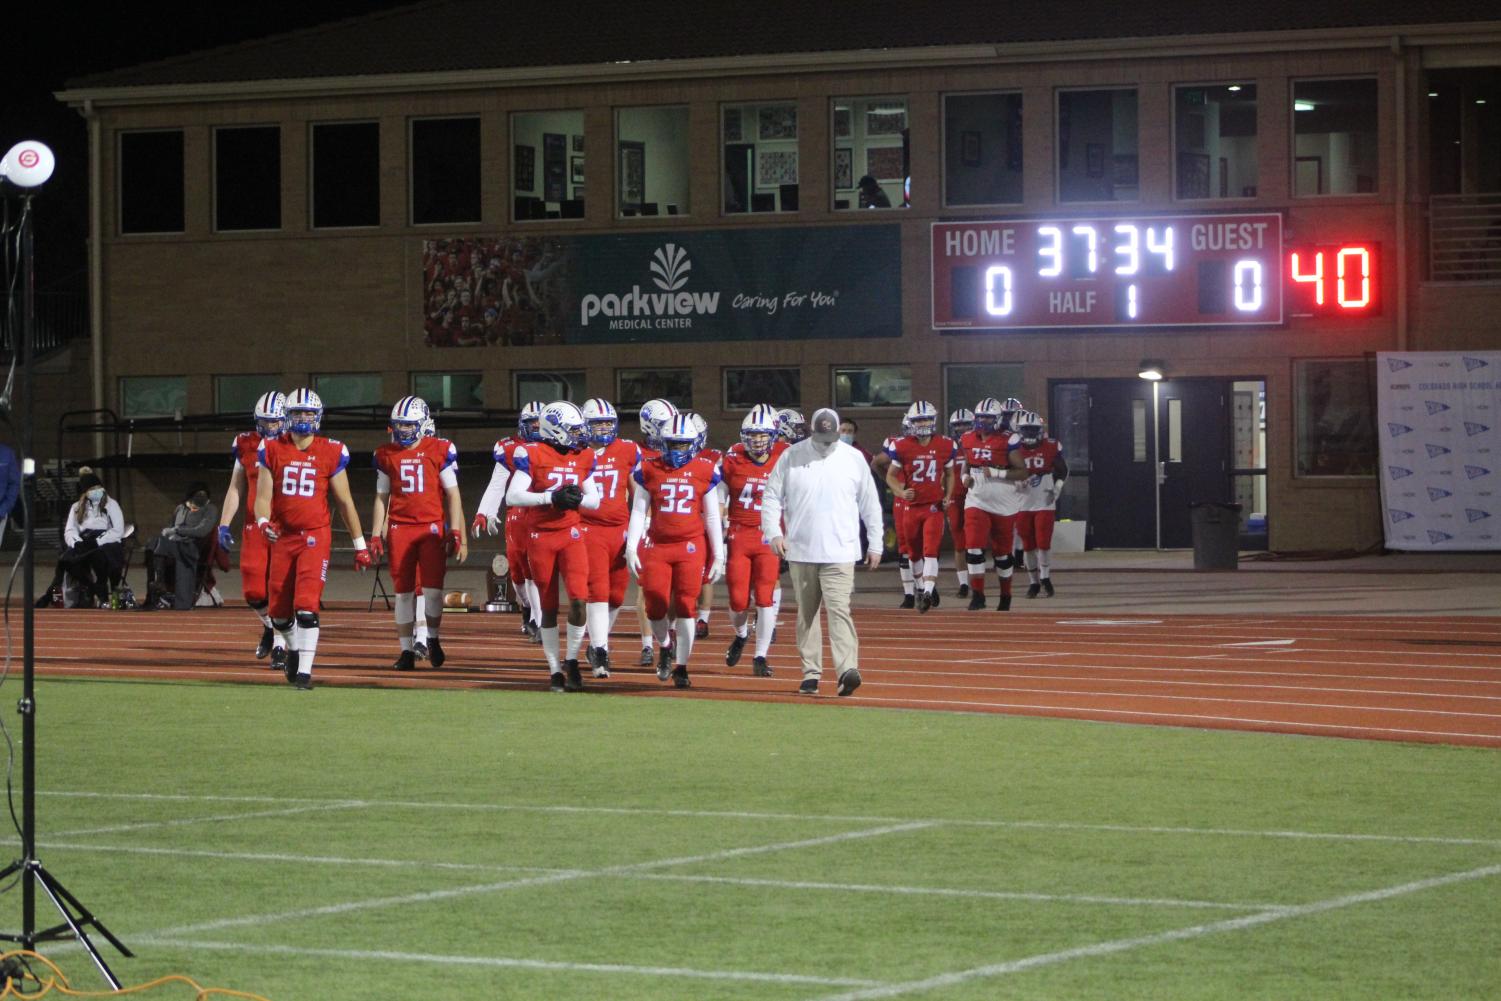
[[59, 982]]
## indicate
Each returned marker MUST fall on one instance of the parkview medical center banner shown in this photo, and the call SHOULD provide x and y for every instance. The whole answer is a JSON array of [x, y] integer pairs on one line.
[[1439, 417]]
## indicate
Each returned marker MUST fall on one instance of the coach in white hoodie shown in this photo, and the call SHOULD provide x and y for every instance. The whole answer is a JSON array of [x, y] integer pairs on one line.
[[821, 490]]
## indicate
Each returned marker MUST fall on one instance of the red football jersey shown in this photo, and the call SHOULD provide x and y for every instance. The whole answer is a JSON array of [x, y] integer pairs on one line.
[[1039, 458], [299, 478], [959, 488], [246, 450], [978, 449], [549, 469], [677, 497], [414, 478], [923, 465], [613, 467], [746, 482]]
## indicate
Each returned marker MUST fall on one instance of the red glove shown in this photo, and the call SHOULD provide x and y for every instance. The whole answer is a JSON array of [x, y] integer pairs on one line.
[[455, 540], [363, 560], [377, 548], [480, 525]]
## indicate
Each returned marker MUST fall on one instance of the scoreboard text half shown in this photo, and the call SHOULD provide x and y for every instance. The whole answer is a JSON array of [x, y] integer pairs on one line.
[[1158, 271]]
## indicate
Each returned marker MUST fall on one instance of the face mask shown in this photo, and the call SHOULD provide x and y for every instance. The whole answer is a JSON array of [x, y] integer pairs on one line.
[[96, 494], [199, 500], [848, 439]]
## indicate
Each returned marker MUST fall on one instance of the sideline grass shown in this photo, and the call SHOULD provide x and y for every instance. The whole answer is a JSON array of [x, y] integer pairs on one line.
[[488, 781]]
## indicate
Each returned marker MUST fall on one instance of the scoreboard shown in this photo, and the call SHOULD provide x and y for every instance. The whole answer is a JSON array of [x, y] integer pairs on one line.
[[1149, 272]]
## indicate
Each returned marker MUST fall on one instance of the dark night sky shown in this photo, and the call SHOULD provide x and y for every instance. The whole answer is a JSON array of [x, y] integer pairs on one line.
[[42, 51]]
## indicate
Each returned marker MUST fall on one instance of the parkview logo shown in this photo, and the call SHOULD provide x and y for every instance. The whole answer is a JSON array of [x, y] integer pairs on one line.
[[644, 310]]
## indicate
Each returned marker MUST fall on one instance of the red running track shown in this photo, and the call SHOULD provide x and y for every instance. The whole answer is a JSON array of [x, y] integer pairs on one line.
[[1430, 679]]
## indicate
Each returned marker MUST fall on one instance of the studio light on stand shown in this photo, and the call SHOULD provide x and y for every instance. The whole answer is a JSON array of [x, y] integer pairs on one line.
[[27, 166]]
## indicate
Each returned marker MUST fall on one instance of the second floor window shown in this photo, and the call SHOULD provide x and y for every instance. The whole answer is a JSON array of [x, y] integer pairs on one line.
[[1097, 149]]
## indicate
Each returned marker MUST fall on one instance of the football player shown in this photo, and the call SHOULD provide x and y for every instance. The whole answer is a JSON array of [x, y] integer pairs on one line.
[[993, 466], [880, 464], [653, 417], [921, 473], [714, 455], [1043, 458], [1011, 409], [615, 462], [487, 519], [301, 470], [416, 489], [270, 416], [561, 464], [961, 423], [751, 566], [792, 427], [670, 562]]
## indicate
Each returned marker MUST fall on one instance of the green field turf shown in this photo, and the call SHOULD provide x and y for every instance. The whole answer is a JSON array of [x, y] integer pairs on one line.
[[354, 843]]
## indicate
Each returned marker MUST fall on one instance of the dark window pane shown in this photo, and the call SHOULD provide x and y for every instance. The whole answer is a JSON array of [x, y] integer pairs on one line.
[[746, 387], [982, 152], [1336, 418], [151, 199], [247, 178], [637, 385], [1097, 155], [445, 170], [1215, 141], [545, 387], [346, 174], [1334, 129]]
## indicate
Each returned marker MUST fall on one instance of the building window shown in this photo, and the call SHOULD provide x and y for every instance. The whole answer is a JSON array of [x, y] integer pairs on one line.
[[1214, 141], [346, 174], [1336, 417], [651, 161], [982, 149], [153, 395], [760, 157], [236, 394], [547, 168], [1464, 118], [746, 387], [548, 387], [1334, 137], [966, 385], [450, 390], [634, 386], [1097, 154], [247, 178], [151, 182], [353, 389], [445, 170], [873, 386], [872, 155]]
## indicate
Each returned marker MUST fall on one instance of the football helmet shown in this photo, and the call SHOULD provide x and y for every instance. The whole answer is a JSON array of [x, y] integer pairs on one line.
[[988, 414], [562, 426], [921, 419], [406, 420], [604, 423], [1030, 427], [654, 417], [270, 414], [701, 426], [791, 425], [679, 441], [1009, 411], [526, 423], [961, 421], [759, 430], [429, 427], [304, 411]]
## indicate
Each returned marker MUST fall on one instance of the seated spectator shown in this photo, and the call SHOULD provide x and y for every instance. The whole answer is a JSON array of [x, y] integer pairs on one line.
[[174, 556], [94, 556]]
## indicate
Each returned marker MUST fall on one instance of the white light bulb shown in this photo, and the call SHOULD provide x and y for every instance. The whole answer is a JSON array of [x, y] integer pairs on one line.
[[28, 164]]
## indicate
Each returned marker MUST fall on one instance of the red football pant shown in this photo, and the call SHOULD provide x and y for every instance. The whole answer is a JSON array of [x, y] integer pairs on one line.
[[672, 573], [298, 570], [558, 553], [956, 521], [255, 556], [517, 538], [752, 565], [924, 530], [996, 532], [608, 574], [899, 522], [417, 556], [1036, 529], [708, 562]]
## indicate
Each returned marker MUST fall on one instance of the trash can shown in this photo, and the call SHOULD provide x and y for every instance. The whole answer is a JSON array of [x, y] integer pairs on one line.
[[1216, 535]]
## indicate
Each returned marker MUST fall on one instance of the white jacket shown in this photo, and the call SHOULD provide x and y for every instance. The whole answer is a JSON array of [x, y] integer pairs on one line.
[[822, 499]]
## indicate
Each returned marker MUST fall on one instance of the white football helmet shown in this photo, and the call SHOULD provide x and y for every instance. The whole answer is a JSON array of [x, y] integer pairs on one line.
[[701, 426], [562, 426], [406, 420], [792, 426], [526, 422], [271, 414], [429, 428], [921, 419], [603, 421], [679, 441], [961, 421], [654, 416], [310, 406], [988, 414], [1009, 411], [1030, 426], [758, 430]]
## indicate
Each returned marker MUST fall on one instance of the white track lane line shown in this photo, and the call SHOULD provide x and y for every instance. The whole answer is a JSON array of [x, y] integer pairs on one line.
[[1160, 938], [1045, 825], [186, 821]]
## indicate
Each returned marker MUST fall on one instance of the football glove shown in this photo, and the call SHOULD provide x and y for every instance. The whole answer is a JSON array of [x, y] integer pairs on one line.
[[226, 538], [363, 560], [568, 497], [716, 571], [455, 543], [480, 525], [268, 530], [633, 560], [377, 548]]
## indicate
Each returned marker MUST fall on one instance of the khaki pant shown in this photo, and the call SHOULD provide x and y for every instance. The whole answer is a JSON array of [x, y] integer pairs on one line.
[[826, 585]]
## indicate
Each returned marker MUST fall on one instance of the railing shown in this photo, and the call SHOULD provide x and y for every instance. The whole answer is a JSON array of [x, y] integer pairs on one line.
[[1464, 238], [60, 317]]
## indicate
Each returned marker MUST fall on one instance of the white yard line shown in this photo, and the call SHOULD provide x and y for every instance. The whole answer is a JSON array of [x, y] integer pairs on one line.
[[185, 821], [1160, 938]]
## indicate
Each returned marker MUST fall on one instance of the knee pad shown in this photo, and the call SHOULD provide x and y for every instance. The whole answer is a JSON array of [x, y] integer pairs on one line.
[[281, 625], [904, 563], [1004, 562], [307, 620], [259, 606], [974, 557]]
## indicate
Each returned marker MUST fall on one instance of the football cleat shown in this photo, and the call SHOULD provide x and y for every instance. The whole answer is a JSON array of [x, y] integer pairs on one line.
[[407, 661], [908, 601], [279, 658], [808, 687], [760, 668], [646, 657], [290, 671], [976, 601], [535, 636], [303, 682], [963, 591], [591, 654], [1033, 589], [557, 683], [419, 649], [934, 597], [435, 654], [599, 659], [680, 678], [737, 647], [664, 664], [1004, 605], [572, 680], [263, 648], [701, 630], [1047, 586], [924, 601], [848, 682]]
